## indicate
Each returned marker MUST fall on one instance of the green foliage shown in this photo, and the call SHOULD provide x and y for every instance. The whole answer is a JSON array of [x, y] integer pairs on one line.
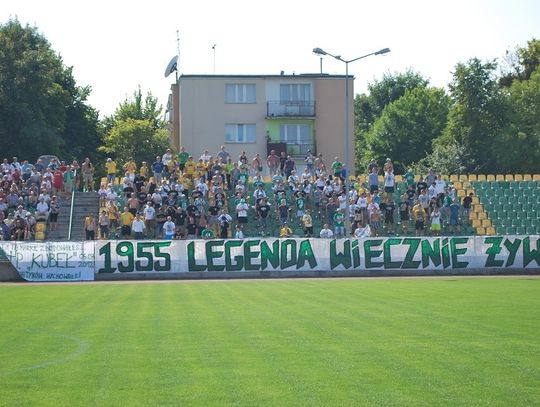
[[135, 138], [407, 127], [445, 159], [42, 110], [368, 108], [478, 116], [521, 63]]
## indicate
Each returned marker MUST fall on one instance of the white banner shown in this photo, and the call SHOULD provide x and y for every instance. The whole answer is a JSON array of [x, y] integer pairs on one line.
[[54, 261], [51, 261]]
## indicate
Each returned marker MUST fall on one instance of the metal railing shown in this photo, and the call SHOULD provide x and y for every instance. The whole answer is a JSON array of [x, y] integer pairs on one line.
[[72, 205], [302, 108]]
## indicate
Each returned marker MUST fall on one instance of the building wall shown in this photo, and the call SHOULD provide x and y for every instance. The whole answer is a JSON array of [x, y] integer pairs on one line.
[[330, 122], [204, 114]]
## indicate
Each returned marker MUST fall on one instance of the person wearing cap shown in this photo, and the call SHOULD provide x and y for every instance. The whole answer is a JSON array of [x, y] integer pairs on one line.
[[110, 166], [388, 166]]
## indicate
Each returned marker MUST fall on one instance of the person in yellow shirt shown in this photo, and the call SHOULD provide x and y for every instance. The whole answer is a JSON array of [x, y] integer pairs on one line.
[[420, 217], [110, 166], [126, 219], [190, 167], [130, 167], [285, 230], [201, 169], [112, 211], [143, 172]]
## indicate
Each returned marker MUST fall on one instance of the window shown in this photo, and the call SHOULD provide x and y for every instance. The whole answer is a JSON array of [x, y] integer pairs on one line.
[[240, 93], [295, 92], [295, 133], [240, 133]]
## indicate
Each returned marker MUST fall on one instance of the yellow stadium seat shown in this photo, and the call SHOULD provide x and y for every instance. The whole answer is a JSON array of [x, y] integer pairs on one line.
[[467, 185], [480, 231], [399, 178], [481, 177], [473, 215], [267, 179], [482, 215], [536, 177], [416, 178], [458, 185], [470, 191], [477, 223], [463, 177], [518, 177], [475, 200], [486, 223], [490, 231], [40, 235], [361, 179], [444, 177], [352, 178], [499, 177], [472, 177], [527, 177], [508, 177], [41, 227], [490, 177], [381, 179], [460, 193], [454, 178], [478, 208]]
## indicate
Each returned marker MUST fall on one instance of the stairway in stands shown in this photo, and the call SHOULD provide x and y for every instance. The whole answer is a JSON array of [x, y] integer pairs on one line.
[[85, 203]]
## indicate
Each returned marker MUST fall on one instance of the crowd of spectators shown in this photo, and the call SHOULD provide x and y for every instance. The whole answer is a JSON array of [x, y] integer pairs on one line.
[[179, 196], [31, 193]]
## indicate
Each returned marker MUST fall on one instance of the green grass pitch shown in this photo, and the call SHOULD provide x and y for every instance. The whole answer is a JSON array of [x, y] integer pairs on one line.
[[350, 342]]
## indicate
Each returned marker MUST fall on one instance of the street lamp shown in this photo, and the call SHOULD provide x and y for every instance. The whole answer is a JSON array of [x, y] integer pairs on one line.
[[320, 51]]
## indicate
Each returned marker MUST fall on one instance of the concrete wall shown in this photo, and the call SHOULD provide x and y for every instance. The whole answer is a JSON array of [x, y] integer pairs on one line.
[[330, 123]]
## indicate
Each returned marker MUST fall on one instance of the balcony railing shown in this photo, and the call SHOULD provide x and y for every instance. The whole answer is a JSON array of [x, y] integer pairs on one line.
[[300, 150], [304, 108]]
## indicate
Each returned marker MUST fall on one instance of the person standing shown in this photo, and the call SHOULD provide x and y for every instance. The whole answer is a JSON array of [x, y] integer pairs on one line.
[[272, 161], [90, 227], [157, 169], [53, 212], [137, 226], [126, 220], [88, 175], [307, 223], [223, 156], [168, 229], [110, 166]]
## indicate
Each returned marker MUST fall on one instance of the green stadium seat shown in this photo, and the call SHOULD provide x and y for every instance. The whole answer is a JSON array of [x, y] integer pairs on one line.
[[535, 222], [499, 192], [532, 184], [506, 223], [510, 231], [520, 230], [518, 222], [530, 230], [502, 200], [496, 223]]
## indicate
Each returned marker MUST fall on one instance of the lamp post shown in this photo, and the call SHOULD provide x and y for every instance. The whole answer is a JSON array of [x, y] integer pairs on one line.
[[320, 51]]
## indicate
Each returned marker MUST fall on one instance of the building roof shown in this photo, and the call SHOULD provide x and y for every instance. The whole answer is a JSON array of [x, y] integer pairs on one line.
[[302, 75]]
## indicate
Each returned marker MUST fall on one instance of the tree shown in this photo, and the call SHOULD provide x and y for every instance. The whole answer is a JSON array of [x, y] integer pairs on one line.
[[479, 116], [136, 130], [521, 63], [369, 107], [522, 142], [39, 98], [135, 138], [407, 127]]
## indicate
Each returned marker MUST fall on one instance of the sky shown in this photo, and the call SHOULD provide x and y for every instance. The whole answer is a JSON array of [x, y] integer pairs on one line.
[[116, 46]]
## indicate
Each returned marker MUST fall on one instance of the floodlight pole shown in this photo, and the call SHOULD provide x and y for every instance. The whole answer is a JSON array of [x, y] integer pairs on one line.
[[320, 51]]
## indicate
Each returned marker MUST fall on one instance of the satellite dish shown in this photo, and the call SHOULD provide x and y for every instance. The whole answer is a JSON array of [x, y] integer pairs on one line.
[[173, 66]]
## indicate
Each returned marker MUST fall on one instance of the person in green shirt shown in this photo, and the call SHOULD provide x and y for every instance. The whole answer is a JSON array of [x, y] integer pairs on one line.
[[228, 167], [339, 224], [409, 177], [183, 156], [337, 166]]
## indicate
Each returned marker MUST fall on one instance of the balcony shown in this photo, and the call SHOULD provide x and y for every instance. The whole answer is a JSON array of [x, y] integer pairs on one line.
[[280, 109]]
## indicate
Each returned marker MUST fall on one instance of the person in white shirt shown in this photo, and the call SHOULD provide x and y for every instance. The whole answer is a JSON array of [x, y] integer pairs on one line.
[[326, 232], [150, 219], [137, 227], [42, 209], [205, 157], [242, 212], [239, 234], [168, 229], [389, 182], [167, 157]]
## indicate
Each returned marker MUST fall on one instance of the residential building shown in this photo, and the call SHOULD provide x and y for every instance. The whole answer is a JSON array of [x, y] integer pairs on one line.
[[257, 113]]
